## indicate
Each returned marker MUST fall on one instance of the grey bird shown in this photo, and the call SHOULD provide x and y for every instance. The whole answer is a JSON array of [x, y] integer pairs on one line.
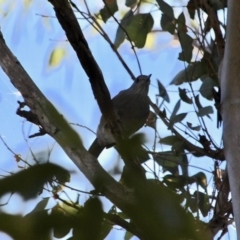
[[132, 108]]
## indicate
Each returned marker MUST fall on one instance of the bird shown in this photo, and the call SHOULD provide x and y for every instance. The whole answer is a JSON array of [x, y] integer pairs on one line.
[[132, 106]]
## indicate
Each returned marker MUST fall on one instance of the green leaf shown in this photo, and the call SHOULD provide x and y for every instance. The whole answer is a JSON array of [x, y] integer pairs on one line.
[[175, 110], [176, 182], [166, 9], [107, 11], [131, 3], [139, 28], [203, 202], [30, 182], [181, 21], [206, 87], [218, 4], [178, 118], [128, 235], [186, 44], [183, 95], [197, 101], [191, 7], [200, 179], [162, 91], [134, 146], [191, 203], [40, 206], [63, 222], [196, 128], [169, 140], [167, 23], [90, 220], [205, 111], [120, 34], [168, 161], [193, 72]]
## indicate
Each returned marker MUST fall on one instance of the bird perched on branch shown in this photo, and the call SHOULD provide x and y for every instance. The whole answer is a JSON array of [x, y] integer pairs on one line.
[[132, 108]]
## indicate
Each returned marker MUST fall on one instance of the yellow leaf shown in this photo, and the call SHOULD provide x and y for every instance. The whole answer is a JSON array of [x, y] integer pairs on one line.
[[56, 57]]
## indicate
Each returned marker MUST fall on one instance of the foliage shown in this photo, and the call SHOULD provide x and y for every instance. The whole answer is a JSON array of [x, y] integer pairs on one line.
[[175, 185]]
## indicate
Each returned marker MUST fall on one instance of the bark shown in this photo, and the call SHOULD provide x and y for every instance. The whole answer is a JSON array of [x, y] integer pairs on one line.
[[230, 105]]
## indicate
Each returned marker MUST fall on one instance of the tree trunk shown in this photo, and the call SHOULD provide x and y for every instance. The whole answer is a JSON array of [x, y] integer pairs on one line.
[[230, 90]]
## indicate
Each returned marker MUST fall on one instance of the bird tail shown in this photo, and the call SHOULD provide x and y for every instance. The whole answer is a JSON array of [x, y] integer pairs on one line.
[[95, 149]]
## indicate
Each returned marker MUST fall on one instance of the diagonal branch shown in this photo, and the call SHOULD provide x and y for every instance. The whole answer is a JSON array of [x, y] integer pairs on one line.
[[69, 23]]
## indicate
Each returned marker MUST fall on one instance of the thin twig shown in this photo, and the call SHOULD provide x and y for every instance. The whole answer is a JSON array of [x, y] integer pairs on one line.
[[106, 37], [120, 25]]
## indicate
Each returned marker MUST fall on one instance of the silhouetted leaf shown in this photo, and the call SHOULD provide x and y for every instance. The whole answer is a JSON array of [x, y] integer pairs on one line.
[[178, 118], [181, 26], [175, 110], [203, 202], [64, 222], [133, 147], [166, 8], [162, 91], [167, 23], [197, 101], [128, 235], [191, 7], [29, 183], [107, 11], [186, 44], [193, 72], [196, 128], [183, 95], [139, 28], [168, 161], [205, 111], [91, 221], [206, 87], [131, 3], [176, 182], [151, 120], [200, 179], [169, 140], [40, 206], [120, 34]]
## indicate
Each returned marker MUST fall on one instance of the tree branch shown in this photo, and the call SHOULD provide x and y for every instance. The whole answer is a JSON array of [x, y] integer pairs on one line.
[[69, 23]]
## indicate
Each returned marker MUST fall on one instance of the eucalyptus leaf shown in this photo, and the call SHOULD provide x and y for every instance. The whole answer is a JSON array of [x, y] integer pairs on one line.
[[181, 23], [167, 23], [196, 128], [186, 44], [205, 111], [120, 34], [166, 8], [206, 87], [138, 28], [183, 95], [202, 200], [175, 110], [162, 91], [191, 7], [178, 118], [193, 72], [107, 11], [169, 140], [130, 3]]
